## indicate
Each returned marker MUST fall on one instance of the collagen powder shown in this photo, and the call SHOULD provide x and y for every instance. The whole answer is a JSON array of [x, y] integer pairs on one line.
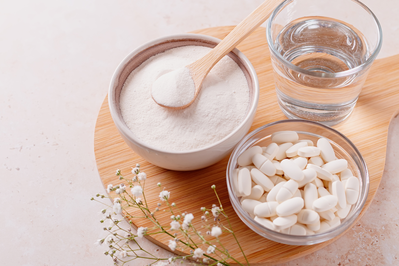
[[219, 109]]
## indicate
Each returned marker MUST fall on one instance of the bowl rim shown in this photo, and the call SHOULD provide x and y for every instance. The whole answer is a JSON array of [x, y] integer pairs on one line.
[[176, 37], [311, 239]]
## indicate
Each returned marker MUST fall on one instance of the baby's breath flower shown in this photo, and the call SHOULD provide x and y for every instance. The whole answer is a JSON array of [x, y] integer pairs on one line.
[[216, 231], [198, 253], [216, 211], [205, 260], [117, 208], [174, 225], [99, 242], [137, 191], [219, 264], [117, 200], [103, 211], [135, 170], [142, 176], [141, 231], [210, 250], [203, 209], [123, 254], [158, 184], [188, 218], [137, 165], [118, 191], [164, 195], [109, 188], [109, 239], [206, 213], [173, 204], [172, 245], [118, 172], [138, 200]]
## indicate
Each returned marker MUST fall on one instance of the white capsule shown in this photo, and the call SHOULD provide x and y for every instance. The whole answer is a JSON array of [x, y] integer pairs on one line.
[[297, 194], [326, 150], [317, 182], [262, 180], [301, 162], [272, 150], [287, 191], [284, 136], [307, 216], [265, 222], [308, 231], [273, 193], [282, 149], [256, 192], [316, 160], [310, 195], [285, 222], [290, 206], [293, 150], [314, 227], [264, 164], [346, 174], [298, 230], [352, 190], [339, 191], [309, 176], [234, 178], [279, 170], [334, 222], [266, 209], [246, 157], [249, 205], [308, 141], [324, 227], [321, 173], [336, 166], [291, 170], [277, 179], [308, 151], [323, 192], [325, 203], [328, 215], [244, 182], [342, 213]]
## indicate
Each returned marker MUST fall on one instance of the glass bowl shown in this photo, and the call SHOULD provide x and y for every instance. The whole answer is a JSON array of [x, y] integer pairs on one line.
[[344, 149]]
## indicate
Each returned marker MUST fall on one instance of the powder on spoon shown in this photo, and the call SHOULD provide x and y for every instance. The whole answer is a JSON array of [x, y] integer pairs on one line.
[[219, 109], [174, 89]]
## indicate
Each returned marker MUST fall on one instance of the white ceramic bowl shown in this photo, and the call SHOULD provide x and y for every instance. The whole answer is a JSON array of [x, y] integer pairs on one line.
[[193, 159]]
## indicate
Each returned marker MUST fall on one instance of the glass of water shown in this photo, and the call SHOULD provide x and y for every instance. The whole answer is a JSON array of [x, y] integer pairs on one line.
[[321, 52]]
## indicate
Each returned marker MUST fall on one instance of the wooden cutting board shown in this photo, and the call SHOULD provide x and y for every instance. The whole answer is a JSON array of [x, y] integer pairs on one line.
[[367, 128]]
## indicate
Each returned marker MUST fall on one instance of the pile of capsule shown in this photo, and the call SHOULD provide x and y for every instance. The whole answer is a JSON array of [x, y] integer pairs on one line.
[[294, 187]]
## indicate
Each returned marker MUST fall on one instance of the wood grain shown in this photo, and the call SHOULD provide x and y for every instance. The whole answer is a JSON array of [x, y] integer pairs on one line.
[[367, 128]]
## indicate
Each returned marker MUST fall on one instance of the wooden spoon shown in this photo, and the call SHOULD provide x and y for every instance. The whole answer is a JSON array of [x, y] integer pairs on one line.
[[165, 89]]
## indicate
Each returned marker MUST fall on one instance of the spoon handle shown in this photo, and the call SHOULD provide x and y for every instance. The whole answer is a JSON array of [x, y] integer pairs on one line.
[[200, 68]]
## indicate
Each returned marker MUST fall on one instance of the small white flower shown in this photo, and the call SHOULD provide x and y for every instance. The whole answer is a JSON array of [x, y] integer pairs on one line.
[[164, 195], [109, 188], [219, 264], [141, 231], [135, 170], [118, 191], [198, 253], [112, 221], [185, 226], [117, 200], [138, 200], [142, 176], [117, 208], [123, 254], [99, 242], [118, 172], [172, 245], [216, 231], [137, 191], [110, 239], [188, 218], [174, 225], [210, 250], [215, 211], [205, 260]]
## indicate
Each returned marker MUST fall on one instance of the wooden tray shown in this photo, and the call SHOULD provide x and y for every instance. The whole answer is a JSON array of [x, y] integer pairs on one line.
[[367, 128]]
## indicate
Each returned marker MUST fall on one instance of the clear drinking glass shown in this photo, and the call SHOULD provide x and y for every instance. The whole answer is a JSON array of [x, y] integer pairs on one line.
[[321, 52]]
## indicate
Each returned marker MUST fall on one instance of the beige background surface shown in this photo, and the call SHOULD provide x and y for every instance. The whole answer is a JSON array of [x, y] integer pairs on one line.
[[56, 60]]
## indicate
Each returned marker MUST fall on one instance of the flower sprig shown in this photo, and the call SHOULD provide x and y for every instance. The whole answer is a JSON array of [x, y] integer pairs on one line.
[[123, 245]]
